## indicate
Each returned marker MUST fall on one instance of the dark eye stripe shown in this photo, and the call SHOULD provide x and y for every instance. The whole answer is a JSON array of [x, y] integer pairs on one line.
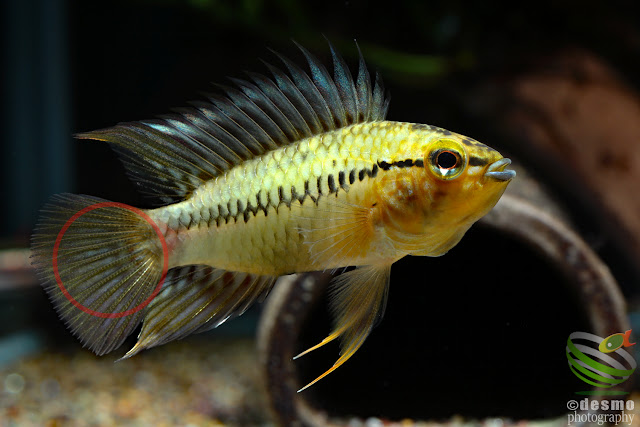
[[407, 163], [477, 161]]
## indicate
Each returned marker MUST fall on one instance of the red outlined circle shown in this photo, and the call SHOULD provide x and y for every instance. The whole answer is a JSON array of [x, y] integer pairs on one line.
[[165, 264]]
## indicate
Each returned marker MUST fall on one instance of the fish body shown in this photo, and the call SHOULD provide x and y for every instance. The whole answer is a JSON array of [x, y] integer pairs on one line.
[[268, 215], [298, 172]]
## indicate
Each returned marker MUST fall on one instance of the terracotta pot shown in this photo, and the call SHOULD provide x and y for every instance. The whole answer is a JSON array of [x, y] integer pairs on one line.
[[479, 333]]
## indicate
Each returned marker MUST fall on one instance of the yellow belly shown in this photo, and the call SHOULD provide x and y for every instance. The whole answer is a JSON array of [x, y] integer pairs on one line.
[[305, 236]]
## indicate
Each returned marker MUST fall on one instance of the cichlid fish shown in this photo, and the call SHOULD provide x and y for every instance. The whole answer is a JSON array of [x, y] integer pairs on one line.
[[294, 172]]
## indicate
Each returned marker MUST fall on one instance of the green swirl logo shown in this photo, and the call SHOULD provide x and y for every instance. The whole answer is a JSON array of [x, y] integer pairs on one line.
[[600, 362]]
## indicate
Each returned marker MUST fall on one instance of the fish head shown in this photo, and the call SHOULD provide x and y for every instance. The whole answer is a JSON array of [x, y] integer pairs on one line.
[[460, 180], [465, 176], [464, 179]]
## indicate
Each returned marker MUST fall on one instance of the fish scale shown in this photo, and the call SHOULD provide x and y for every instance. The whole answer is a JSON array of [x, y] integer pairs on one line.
[[292, 168], [305, 172], [284, 174]]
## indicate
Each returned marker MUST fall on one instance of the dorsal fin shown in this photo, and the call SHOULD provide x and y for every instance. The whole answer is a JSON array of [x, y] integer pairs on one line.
[[172, 156]]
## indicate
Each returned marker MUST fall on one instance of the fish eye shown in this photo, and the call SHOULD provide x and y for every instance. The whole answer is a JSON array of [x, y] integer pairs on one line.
[[447, 159]]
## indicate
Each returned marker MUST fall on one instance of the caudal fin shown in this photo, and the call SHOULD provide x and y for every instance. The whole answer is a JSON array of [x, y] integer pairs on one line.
[[100, 262]]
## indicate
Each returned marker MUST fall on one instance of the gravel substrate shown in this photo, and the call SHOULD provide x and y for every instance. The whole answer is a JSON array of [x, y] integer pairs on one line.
[[201, 382]]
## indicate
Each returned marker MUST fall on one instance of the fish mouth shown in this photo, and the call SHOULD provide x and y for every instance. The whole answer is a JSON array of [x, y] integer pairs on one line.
[[496, 170]]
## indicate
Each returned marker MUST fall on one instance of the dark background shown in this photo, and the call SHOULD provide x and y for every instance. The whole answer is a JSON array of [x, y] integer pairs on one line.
[[75, 66]]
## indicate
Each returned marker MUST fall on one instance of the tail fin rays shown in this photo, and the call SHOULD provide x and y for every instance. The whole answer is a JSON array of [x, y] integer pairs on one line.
[[99, 266]]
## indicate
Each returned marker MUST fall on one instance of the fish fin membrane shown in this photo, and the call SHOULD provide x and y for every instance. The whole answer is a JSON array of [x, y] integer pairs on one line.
[[108, 262], [172, 156], [358, 301], [334, 231], [198, 298]]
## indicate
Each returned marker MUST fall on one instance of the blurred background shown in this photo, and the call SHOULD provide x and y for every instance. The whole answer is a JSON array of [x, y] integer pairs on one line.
[[559, 77], [554, 85]]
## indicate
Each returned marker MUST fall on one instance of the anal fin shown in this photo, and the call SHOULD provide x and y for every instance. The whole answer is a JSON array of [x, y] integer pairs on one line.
[[358, 300], [198, 298]]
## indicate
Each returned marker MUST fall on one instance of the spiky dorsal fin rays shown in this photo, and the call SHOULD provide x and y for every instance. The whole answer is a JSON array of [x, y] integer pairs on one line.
[[358, 300], [309, 90], [327, 87], [346, 88], [172, 156], [288, 122]]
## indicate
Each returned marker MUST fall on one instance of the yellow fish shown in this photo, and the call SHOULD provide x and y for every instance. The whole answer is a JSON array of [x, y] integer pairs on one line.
[[294, 172]]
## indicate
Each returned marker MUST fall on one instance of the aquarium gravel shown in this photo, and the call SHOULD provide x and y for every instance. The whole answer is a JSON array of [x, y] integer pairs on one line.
[[212, 383]]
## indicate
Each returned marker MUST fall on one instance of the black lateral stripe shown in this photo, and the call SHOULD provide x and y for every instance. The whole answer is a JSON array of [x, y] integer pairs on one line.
[[407, 163], [384, 165], [341, 180], [245, 210], [269, 202], [477, 161], [258, 199], [251, 208], [228, 217], [332, 184], [284, 197], [211, 216]]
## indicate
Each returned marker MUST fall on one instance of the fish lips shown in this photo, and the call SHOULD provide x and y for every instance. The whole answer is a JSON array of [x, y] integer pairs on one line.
[[497, 172]]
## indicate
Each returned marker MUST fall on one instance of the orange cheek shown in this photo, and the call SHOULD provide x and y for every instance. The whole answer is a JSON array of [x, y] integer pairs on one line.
[[402, 202]]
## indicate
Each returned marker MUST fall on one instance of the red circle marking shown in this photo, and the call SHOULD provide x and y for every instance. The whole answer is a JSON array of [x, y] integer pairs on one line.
[[165, 264]]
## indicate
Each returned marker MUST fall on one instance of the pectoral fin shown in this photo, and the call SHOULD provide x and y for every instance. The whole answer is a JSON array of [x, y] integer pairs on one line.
[[358, 299], [336, 232]]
